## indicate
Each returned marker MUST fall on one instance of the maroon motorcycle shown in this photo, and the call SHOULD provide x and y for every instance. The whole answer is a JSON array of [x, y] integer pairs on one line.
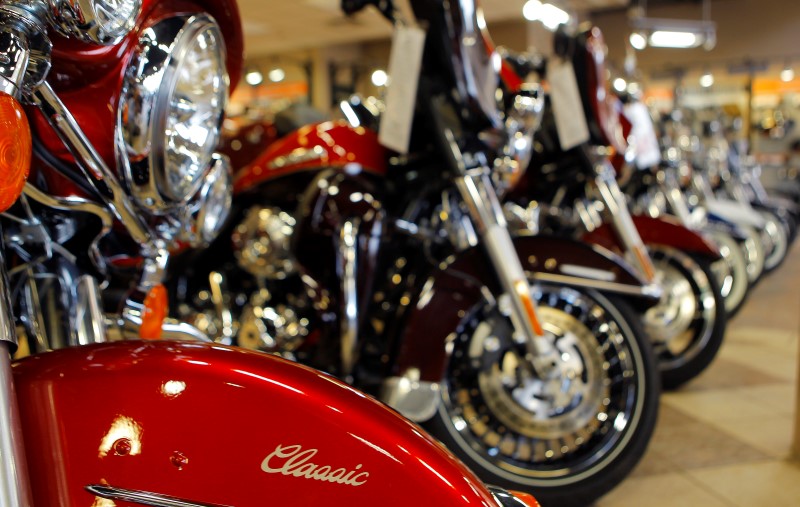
[[124, 107], [396, 271], [578, 194]]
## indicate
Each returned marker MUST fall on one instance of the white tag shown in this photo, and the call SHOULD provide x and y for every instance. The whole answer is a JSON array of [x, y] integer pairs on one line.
[[648, 153], [567, 105], [405, 62]]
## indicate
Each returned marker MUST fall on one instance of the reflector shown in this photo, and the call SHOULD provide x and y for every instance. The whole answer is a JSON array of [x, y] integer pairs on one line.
[[154, 312], [15, 150]]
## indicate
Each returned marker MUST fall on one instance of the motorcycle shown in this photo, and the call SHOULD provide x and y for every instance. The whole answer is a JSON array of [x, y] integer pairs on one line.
[[341, 252], [576, 187], [120, 179]]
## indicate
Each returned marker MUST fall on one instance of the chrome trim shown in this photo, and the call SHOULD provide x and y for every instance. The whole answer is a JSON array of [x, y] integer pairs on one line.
[[144, 497], [90, 326], [652, 291], [297, 156], [7, 327], [97, 172], [148, 85], [414, 399], [14, 482], [83, 19], [504, 498], [25, 46], [348, 264], [219, 288]]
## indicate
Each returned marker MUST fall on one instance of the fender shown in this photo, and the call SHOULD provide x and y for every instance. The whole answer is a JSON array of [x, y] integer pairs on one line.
[[217, 425], [323, 145], [735, 211], [450, 294], [665, 231]]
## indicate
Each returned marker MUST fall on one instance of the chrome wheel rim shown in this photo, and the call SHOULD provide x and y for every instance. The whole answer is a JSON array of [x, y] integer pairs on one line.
[[558, 428], [682, 323], [731, 271], [778, 239]]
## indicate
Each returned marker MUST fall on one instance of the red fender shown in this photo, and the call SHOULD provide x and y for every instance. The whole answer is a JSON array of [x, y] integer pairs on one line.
[[323, 145], [665, 231], [222, 426]]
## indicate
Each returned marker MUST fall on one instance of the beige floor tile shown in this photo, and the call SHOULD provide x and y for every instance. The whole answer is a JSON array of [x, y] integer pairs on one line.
[[667, 490], [769, 484], [778, 364], [714, 405], [727, 374], [780, 397], [772, 436]]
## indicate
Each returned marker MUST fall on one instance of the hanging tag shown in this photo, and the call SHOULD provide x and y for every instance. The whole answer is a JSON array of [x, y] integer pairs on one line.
[[567, 104], [648, 153], [405, 63]]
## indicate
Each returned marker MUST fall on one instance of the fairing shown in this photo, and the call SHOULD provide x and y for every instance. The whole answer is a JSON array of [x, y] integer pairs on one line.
[[217, 425], [453, 292], [333, 144], [664, 231]]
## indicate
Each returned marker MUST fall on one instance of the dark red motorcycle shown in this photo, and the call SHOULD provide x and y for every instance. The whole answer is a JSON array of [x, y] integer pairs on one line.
[[395, 271], [124, 109]]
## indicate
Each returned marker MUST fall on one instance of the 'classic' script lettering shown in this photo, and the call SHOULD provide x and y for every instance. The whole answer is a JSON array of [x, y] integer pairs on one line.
[[293, 460]]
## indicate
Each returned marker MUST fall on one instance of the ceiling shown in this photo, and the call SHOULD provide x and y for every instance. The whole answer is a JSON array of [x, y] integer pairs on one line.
[[279, 26]]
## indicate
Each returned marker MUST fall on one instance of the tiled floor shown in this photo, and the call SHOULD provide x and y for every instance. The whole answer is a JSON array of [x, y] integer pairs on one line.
[[724, 440]]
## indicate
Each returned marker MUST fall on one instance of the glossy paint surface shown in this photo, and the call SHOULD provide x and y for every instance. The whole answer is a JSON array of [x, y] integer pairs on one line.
[[333, 144], [657, 231], [218, 425]]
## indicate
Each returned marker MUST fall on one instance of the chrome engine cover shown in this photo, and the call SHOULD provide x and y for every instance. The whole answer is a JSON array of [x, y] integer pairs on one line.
[[262, 243]]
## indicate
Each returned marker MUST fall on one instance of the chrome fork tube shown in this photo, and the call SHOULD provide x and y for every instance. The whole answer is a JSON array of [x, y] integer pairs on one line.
[[621, 218], [14, 484], [668, 183], [348, 264]]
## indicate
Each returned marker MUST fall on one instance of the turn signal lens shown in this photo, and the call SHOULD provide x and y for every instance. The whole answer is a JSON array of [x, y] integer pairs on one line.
[[525, 498], [15, 150], [154, 313]]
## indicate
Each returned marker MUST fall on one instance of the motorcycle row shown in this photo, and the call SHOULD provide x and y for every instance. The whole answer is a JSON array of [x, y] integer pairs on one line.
[[519, 275]]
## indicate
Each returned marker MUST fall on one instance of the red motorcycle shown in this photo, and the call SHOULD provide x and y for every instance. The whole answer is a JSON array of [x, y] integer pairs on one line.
[[576, 186], [124, 109], [395, 271]]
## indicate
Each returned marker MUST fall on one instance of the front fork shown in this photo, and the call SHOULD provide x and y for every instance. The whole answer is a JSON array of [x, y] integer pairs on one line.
[[617, 206], [14, 483], [478, 193]]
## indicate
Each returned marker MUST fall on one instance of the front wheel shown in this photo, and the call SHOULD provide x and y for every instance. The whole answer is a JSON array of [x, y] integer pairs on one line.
[[571, 436]]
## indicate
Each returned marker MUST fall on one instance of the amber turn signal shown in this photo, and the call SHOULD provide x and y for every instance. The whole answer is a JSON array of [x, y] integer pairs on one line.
[[154, 313], [525, 498], [15, 150]]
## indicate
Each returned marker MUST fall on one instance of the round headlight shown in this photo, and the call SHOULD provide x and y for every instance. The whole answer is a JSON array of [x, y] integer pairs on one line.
[[97, 21], [171, 108], [209, 209]]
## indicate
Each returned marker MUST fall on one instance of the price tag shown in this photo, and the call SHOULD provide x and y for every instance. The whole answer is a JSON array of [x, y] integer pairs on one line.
[[648, 153], [567, 104], [405, 63]]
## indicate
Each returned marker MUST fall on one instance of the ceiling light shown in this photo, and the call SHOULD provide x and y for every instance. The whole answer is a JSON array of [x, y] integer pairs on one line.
[[638, 41], [276, 75], [379, 78], [674, 33], [671, 39], [787, 74], [620, 84], [550, 15], [254, 78], [706, 80]]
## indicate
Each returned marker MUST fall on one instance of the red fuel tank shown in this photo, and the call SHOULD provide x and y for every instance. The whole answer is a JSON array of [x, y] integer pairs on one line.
[[214, 425]]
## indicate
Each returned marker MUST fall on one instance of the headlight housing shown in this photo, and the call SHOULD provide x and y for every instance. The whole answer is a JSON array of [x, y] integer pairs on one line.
[[171, 108], [209, 209], [98, 21]]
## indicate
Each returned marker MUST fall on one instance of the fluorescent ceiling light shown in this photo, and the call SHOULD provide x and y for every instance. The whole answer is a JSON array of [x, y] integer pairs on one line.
[[550, 15], [670, 39], [787, 75]]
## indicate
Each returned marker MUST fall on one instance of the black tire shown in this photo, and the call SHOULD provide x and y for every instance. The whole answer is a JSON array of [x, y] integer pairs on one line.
[[731, 276], [567, 455], [687, 338]]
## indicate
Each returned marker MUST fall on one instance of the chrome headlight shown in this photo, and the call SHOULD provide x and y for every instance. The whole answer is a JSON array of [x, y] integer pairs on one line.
[[214, 200], [97, 21], [170, 113]]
